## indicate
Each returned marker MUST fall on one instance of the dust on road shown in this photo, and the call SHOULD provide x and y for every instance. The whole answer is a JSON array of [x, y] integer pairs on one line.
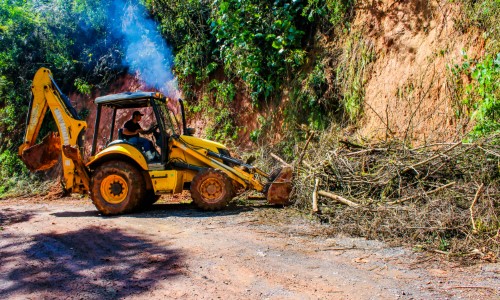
[[65, 249]]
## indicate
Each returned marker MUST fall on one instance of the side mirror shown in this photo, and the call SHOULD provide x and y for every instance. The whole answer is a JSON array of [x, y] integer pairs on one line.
[[190, 131]]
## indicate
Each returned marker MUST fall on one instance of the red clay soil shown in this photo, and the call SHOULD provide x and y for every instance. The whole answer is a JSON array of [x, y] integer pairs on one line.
[[408, 94]]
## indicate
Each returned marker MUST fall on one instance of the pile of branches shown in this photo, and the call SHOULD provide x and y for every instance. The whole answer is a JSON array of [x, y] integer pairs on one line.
[[442, 197]]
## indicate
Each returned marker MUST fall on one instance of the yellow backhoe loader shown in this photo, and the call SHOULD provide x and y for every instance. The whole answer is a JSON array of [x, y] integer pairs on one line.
[[119, 177]]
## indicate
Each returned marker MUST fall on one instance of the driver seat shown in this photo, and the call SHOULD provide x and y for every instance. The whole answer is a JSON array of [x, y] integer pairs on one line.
[[120, 134]]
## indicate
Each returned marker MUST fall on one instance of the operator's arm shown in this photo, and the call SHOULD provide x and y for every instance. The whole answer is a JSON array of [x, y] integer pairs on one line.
[[128, 132], [131, 128]]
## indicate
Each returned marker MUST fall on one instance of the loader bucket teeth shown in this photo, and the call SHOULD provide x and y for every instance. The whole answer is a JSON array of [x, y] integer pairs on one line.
[[43, 156], [280, 189]]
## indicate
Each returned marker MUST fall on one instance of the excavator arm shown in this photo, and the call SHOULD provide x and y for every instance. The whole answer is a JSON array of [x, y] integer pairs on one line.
[[47, 95]]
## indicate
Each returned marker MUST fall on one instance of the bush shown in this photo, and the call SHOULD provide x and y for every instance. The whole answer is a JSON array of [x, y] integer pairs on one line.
[[484, 95]]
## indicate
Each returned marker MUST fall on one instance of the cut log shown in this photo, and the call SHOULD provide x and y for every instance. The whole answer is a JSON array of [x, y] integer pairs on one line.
[[280, 160], [315, 196], [338, 198]]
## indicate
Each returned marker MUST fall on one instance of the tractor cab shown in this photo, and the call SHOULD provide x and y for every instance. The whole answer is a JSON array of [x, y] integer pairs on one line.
[[164, 122]]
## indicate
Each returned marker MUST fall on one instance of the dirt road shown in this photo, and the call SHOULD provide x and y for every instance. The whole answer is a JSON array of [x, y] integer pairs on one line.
[[65, 249]]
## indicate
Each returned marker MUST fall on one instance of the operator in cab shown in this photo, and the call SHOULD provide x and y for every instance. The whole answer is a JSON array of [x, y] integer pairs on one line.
[[131, 131]]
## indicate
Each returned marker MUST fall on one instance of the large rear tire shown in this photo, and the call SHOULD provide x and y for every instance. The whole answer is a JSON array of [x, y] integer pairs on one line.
[[117, 187], [211, 190]]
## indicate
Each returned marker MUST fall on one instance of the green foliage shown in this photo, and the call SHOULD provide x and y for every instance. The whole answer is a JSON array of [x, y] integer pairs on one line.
[[352, 73], [479, 98], [311, 96], [224, 91], [216, 103], [444, 244], [224, 127], [263, 44], [255, 134], [333, 11], [264, 126], [84, 113], [11, 171], [484, 95], [184, 23], [10, 165], [482, 14], [67, 36], [333, 88], [82, 86], [258, 41]]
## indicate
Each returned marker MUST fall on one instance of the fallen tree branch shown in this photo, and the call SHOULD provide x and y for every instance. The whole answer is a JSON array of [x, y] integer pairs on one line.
[[366, 151], [412, 167], [303, 152], [441, 252], [280, 160], [489, 151], [431, 204], [476, 197], [436, 144], [338, 199], [315, 196], [351, 145], [424, 194]]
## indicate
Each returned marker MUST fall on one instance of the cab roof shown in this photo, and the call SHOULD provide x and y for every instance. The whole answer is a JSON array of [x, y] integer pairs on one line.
[[128, 99]]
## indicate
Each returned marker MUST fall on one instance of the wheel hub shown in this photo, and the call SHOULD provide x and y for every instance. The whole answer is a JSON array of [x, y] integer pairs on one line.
[[211, 189], [114, 189]]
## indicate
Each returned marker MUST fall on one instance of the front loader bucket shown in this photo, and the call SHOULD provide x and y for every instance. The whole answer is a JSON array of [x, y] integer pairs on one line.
[[280, 189], [43, 156]]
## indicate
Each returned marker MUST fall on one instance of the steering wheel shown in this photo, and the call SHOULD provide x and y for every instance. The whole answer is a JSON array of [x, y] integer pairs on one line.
[[152, 129]]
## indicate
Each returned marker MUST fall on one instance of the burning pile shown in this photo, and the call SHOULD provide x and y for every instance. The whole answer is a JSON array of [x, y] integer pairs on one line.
[[442, 197]]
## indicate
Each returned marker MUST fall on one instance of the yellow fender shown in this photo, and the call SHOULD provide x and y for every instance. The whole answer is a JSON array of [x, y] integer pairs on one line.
[[121, 149], [197, 142]]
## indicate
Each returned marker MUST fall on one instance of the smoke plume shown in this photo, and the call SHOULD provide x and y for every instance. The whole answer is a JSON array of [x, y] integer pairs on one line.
[[146, 53]]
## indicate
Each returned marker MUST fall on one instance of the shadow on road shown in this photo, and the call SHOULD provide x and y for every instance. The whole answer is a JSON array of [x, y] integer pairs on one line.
[[161, 210], [89, 263], [9, 216]]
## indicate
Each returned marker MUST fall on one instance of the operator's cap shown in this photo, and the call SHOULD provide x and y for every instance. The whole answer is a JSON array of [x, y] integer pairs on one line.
[[137, 113]]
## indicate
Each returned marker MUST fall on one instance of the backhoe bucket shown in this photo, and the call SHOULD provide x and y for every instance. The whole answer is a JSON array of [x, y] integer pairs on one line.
[[43, 156], [280, 189]]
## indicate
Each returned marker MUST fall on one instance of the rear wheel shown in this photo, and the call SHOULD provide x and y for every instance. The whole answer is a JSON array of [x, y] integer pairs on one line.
[[211, 189], [117, 187]]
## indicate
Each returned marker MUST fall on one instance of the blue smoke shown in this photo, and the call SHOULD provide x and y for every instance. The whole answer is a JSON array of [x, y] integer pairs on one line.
[[146, 53]]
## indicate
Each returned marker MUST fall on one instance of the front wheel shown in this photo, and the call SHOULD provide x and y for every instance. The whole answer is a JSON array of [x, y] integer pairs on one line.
[[117, 187], [211, 189]]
